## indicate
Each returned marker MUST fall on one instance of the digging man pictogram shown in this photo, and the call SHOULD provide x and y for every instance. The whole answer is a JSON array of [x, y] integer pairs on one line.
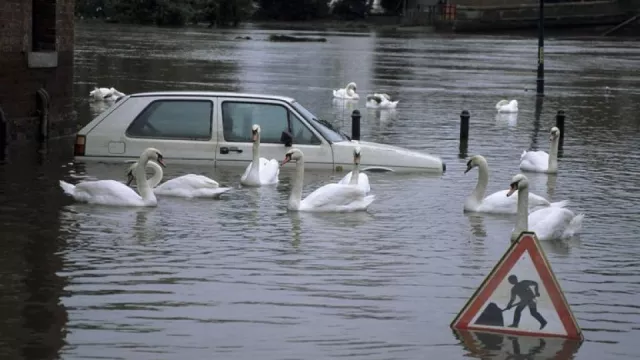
[[522, 289]]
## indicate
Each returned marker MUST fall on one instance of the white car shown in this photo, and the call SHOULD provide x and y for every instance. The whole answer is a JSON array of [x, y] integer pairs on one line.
[[215, 128]]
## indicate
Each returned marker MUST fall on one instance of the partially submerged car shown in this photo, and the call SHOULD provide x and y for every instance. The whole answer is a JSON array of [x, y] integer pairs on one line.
[[215, 128]]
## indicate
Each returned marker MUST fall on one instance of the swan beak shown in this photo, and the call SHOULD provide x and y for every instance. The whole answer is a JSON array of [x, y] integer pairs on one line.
[[254, 136], [469, 169], [287, 158], [512, 189], [161, 162]]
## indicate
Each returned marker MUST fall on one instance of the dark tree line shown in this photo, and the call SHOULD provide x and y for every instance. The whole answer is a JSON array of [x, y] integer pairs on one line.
[[223, 12]]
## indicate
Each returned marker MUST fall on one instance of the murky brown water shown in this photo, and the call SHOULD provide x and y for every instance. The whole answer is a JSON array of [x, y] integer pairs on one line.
[[240, 278]]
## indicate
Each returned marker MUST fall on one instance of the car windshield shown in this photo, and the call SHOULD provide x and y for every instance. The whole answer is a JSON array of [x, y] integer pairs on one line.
[[323, 126]]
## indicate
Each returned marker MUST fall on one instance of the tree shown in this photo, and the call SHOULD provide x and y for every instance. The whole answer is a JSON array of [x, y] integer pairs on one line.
[[391, 7], [353, 9]]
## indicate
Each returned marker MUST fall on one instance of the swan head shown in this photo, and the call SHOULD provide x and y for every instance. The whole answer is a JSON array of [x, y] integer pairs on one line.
[[255, 132], [356, 155], [475, 161], [351, 86], [293, 154], [554, 133], [154, 154], [518, 182]]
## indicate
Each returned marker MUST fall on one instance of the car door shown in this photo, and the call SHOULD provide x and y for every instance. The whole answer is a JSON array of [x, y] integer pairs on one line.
[[274, 117], [181, 128]]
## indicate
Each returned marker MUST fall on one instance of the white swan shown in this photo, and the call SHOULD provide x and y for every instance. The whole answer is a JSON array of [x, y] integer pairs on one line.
[[348, 93], [548, 223], [260, 171], [506, 106], [114, 193], [497, 203], [187, 186], [328, 198], [355, 177], [540, 161], [381, 101], [105, 94]]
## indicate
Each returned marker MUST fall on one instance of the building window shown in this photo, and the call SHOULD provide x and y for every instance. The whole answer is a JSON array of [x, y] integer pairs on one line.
[[174, 119], [43, 26]]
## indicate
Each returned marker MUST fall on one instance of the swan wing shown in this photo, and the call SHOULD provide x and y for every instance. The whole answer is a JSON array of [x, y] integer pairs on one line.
[[333, 197], [500, 203], [375, 97], [501, 103], [363, 181], [190, 182], [106, 192], [550, 223], [340, 93], [346, 179], [534, 160], [269, 171]]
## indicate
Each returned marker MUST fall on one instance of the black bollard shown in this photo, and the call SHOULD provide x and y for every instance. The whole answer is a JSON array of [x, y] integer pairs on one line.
[[560, 125], [464, 133], [355, 125], [464, 125]]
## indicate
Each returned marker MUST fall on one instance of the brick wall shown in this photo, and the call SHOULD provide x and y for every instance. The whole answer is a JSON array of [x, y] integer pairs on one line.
[[53, 30]]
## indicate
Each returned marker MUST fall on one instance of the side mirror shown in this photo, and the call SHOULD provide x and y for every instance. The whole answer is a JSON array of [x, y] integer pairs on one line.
[[286, 138]]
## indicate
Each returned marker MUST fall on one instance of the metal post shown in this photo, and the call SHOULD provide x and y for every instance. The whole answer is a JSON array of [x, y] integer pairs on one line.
[[355, 125], [540, 79]]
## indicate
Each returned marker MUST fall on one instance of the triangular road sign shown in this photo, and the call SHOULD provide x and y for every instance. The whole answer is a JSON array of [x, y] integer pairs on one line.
[[520, 296]]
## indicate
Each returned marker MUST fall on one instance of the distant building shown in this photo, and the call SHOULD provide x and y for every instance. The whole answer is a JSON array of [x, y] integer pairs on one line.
[[36, 67]]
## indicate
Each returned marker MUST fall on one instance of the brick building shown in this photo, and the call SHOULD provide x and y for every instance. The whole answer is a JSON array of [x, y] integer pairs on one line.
[[36, 54]]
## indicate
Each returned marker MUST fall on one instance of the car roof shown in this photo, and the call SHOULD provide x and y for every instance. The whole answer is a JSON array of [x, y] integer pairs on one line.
[[213, 93]]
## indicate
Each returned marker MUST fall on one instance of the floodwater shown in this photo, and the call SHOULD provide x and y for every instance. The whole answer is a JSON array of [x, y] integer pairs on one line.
[[241, 278]]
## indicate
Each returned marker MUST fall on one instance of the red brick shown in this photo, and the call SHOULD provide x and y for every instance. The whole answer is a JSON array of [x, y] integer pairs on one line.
[[19, 83]]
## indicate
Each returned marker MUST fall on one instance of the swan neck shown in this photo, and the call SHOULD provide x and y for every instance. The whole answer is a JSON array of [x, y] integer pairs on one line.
[[553, 154], [355, 174], [296, 191], [522, 219], [141, 179], [483, 181], [157, 174], [255, 163]]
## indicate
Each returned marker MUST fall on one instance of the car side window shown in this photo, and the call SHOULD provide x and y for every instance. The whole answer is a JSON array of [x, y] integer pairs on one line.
[[174, 119], [239, 117], [301, 133]]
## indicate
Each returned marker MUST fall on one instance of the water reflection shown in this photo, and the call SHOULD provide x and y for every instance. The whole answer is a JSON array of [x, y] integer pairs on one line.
[[477, 224], [510, 119], [483, 345], [341, 112]]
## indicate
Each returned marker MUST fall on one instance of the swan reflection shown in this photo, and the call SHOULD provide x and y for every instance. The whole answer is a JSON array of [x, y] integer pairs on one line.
[[510, 119], [477, 224], [384, 116]]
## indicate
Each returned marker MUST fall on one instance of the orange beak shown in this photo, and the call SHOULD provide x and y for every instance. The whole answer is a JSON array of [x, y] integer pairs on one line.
[[512, 189]]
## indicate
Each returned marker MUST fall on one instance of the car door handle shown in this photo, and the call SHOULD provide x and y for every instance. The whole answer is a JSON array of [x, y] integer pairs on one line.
[[225, 150]]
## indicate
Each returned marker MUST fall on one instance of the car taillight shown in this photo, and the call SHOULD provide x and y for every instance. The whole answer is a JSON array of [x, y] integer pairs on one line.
[[78, 149]]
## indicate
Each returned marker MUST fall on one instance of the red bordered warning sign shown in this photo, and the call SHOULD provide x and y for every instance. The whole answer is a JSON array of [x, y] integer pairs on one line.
[[520, 296]]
